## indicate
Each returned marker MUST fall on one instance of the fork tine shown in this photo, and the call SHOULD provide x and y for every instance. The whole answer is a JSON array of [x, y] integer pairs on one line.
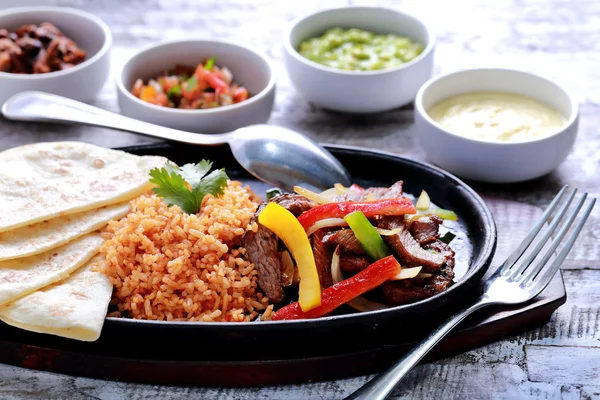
[[512, 259], [544, 279], [542, 242], [531, 273]]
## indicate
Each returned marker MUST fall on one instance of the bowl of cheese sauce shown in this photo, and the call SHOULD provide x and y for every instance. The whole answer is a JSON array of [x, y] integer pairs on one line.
[[497, 116], [495, 125]]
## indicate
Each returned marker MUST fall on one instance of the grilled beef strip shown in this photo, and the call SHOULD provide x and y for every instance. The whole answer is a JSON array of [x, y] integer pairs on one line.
[[404, 245], [446, 252], [378, 193], [411, 290], [262, 246], [346, 240], [263, 251], [425, 230], [352, 264], [294, 203], [323, 256]]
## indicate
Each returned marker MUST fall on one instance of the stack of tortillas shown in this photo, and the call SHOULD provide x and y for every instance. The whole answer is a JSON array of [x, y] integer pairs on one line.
[[54, 197]]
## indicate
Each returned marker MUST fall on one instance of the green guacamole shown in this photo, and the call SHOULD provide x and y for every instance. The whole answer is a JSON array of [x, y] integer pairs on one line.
[[358, 50]]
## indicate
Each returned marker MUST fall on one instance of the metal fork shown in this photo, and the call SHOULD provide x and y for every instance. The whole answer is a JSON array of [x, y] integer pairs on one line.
[[515, 281]]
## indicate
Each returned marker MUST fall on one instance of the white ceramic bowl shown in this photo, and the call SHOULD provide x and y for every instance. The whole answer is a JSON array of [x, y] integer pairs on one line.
[[495, 161], [358, 91], [81, 82], [249, 68]]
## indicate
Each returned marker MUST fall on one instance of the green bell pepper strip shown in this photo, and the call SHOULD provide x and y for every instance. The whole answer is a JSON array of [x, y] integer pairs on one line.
[[367, 236]]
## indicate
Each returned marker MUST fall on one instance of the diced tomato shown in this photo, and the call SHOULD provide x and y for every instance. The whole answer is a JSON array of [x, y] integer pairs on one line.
[[354, 186], [240, 94], [160, 99], [344, 291], [150, 95], [168, 82], [137, 88], [212, 79], [193, 89]]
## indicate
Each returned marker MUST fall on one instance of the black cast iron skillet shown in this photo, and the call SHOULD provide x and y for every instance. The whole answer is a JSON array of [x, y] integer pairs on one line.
[[341, 333]]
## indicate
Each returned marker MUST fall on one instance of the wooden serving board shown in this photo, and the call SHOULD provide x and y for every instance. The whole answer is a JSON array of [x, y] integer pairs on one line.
[[482, 328], [104, 359]]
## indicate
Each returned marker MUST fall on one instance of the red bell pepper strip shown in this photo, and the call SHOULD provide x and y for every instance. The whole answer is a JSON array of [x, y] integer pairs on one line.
[[344, 291], [398, 206]]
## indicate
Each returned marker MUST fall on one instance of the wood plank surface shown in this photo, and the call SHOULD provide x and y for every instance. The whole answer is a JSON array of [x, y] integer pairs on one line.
[[559, 39], [563, 364]]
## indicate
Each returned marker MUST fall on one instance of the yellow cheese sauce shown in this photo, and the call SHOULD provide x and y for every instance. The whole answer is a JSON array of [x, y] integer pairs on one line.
[[497, 116]]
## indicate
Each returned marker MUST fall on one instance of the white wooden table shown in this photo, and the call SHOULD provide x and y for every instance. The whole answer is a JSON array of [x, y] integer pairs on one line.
[[556, 38]]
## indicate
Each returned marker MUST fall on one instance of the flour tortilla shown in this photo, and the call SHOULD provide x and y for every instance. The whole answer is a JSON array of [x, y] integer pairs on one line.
[[74, 308], [43, 236], [22, 276], [46, 180]]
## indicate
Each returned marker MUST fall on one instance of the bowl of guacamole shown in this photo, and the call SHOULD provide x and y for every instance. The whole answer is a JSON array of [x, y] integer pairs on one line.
[[356, 49], [358, 59]]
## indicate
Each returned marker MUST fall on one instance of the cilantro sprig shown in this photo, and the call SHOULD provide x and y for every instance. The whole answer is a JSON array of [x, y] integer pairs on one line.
[[187, 186]]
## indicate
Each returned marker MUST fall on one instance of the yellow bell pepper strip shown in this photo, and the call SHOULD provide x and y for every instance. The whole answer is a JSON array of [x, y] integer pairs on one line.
[[283, 223], [367, 236], [398, 206], [344, 291]]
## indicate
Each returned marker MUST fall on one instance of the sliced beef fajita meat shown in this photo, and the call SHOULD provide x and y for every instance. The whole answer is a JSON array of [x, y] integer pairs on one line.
[[392, 192], [411, 290], [376, 193], [446, 252], [346, 240], [323, 255], [405, 292], [425, 230], [294, 203], [408, 250], [262, 250], [443, 280], [352, 264]]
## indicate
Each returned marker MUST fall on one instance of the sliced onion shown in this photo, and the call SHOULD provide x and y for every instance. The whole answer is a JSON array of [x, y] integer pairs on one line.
[[361, 304], [227, 75], [358, 303], [325, 223], [370, 197], [407, 273], [336, 272], [309, 194], [287, 268], [423, 203], [339, 188], [329, 193], [423, 275], [388, 232]]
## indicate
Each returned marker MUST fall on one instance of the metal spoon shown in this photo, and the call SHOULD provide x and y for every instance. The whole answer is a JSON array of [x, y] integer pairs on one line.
[[273, 154]]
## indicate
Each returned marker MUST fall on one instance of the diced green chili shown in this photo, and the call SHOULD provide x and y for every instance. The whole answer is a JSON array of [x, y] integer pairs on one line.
[[209, 63], [175, 91], [270, 193], [447, 238]]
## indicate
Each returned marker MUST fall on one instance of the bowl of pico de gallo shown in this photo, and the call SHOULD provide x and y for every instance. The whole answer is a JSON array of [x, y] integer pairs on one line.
[[202, 86]]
